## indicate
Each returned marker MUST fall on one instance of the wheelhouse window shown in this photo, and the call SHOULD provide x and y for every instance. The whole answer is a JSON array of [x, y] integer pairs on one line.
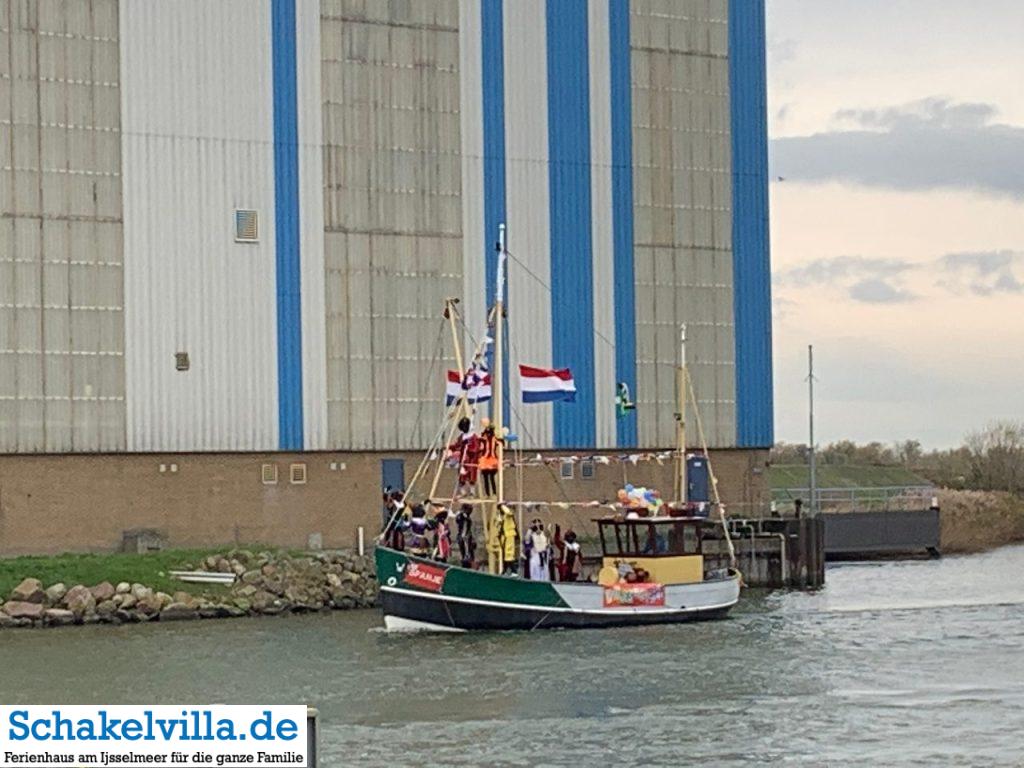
[[650, 538]]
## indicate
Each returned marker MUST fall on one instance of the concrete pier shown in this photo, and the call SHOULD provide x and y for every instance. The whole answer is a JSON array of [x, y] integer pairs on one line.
[[775, 552]]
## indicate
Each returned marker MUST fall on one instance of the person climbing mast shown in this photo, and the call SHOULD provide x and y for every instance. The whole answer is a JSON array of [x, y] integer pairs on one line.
[[488, 462]]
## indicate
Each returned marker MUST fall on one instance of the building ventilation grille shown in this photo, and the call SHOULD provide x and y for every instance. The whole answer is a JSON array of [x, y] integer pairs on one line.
[[247, 229], [269, 474]]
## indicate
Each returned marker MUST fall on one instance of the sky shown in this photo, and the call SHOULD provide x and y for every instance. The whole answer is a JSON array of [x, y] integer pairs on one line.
[[897, 216]]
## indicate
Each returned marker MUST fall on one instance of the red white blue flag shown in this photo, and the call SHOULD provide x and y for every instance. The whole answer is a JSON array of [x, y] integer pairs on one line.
[[476, 383], [544, 385]]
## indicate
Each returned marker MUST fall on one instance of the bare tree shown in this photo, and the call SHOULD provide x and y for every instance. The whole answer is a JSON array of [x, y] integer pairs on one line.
[[997, 457]]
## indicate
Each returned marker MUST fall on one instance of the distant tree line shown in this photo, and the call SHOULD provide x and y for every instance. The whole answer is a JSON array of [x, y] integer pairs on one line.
[[991, 459]]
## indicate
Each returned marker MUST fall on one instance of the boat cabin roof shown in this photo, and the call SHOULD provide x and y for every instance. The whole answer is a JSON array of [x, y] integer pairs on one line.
[[651, 536]]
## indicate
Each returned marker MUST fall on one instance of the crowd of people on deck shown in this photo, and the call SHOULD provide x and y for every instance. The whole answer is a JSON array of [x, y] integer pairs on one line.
[[534, 555]]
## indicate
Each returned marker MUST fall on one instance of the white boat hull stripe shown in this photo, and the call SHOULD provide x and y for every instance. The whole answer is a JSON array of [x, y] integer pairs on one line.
[[559, 609]]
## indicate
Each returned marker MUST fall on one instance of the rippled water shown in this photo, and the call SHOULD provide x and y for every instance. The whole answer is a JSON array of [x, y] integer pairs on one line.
[[908, 663]]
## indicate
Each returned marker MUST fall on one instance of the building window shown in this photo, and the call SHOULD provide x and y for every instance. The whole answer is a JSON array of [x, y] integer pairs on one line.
[[269, 474], [247, 228], [587, 469], [298, 474], [565, 470], [181, 361]]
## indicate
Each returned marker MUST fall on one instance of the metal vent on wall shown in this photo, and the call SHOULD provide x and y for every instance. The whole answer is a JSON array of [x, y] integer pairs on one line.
[[247, 228], [587, 469]]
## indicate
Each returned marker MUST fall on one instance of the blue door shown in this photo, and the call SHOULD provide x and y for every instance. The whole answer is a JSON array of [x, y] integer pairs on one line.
[[392, 475], [698, 481]]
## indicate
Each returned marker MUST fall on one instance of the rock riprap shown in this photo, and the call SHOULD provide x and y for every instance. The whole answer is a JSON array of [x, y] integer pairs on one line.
[[266, 583]]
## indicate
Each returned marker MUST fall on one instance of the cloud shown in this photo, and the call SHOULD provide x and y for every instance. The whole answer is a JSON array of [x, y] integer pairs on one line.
[[925, 144], [895, 281], [839, 268], [983, 273], [782, 50], [863, 279], [877, 291]]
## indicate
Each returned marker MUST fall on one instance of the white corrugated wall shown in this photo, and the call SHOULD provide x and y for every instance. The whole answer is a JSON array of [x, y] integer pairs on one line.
[[311, 221], [197, 141], [474, 249], [601, 204], [529, 235]]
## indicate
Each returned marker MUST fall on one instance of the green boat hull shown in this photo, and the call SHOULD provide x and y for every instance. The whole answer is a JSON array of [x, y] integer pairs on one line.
[[421, 594]]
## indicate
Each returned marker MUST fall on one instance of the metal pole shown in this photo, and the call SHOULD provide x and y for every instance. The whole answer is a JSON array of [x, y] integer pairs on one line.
[[681, 489], [810, 393], [496, 561]]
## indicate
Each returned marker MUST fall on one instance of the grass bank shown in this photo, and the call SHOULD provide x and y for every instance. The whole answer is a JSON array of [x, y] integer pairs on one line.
[[974, 521], [151, 569], [784, 476]]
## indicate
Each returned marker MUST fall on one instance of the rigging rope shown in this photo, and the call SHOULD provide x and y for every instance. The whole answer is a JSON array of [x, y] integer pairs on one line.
[[711, 471], [426, 384]]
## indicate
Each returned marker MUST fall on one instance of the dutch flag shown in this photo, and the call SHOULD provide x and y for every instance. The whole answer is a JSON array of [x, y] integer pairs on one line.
[[476, 383], [543, 385]]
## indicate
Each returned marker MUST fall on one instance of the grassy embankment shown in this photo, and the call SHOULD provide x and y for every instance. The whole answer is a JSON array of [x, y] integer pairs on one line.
[[151, 569], [972, 521], [784, 476]]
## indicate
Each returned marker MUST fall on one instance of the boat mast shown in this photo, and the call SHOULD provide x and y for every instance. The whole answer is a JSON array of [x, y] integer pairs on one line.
[[499, 355], [498, 378], [680, 483], [462, 406]]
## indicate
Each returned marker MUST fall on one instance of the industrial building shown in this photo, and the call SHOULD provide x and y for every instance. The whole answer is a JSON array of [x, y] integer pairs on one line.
[[228, 229]]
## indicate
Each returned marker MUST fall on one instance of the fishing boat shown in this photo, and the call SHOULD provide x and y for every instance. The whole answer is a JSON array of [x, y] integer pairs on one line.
[[652, 567]]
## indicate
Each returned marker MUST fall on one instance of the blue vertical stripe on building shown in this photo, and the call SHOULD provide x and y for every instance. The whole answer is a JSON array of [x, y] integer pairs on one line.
[[622, 210], [750, 245], [286, 220], [572, 289], [493, 80]]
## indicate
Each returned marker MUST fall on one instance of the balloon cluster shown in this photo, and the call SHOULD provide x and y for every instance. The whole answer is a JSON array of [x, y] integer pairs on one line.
[[640, 498]]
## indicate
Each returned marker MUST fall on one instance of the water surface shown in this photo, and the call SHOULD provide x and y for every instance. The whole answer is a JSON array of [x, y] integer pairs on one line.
[[900, 663]]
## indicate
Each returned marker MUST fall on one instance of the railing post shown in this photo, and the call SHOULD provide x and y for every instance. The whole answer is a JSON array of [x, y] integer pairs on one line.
[[312, 736]]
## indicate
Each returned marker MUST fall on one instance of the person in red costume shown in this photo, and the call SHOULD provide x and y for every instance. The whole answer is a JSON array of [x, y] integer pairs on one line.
[[466, 450]]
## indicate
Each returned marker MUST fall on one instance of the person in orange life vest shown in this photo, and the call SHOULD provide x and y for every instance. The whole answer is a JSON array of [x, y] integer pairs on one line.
[[488, 461]]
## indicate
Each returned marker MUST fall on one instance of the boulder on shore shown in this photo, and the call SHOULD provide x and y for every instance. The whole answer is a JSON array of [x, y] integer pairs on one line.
[[123, 588], [58, 617], [178, 612], [185, 598], [29, 591], [149, 605], [103, 591], [80, 601], [18, 609], [140, 591], [56, 593]]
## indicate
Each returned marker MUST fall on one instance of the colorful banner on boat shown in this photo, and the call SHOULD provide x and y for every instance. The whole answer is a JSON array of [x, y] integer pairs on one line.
[[476, 384], [627, 595], [429, 577], [543, 385]]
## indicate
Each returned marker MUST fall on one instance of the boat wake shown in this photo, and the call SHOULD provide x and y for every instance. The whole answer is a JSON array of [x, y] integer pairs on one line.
[[927, 605]]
